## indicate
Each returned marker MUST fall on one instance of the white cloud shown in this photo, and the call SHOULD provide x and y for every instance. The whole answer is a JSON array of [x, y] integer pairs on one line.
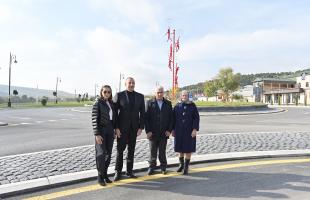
[[111, 48], [142, 12], [115, 52], [5, 13], [262, 50], [81, 59]]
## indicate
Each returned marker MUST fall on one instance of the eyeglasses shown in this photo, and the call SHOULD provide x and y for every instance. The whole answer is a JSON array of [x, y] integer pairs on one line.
[[160, 92], [106, 92]]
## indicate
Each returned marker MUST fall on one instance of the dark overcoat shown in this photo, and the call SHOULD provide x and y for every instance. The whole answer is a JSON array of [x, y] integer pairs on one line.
[[186, 118], [158, 121]]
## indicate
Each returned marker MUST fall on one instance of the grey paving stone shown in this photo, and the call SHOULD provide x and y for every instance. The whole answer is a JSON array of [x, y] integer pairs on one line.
[[27, 167]]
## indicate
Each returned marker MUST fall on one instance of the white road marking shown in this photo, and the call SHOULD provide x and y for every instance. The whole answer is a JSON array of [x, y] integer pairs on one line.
[[36, 122], [24, 118], [25, 123], [13, 125], [82, 111], [67, 114]]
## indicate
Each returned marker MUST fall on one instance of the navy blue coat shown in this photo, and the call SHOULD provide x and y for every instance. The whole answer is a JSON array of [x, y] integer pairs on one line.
[[186, 118]]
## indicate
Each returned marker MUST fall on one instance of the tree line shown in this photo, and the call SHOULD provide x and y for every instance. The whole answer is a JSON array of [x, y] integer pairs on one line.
[[227, 82]]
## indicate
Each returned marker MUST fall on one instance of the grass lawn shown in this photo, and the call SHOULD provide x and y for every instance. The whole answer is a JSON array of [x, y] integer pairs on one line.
[[48, 105], [231, 104]]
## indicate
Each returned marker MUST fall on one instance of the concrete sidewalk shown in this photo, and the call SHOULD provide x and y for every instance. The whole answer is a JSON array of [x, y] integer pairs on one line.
[[44, 169]]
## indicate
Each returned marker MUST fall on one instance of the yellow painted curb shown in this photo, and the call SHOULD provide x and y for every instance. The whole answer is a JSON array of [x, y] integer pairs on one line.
[[159, 176]]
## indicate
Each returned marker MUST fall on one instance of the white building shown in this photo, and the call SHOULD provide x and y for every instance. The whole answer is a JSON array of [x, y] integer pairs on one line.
[[247, 92], [283, 91], [304, 82]]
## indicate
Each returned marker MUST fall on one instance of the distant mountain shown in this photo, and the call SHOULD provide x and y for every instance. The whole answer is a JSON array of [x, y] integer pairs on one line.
[[247, 79], [32, 92]]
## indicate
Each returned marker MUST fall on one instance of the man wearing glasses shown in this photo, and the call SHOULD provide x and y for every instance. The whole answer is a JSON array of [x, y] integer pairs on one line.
[[130, 110], [158, 126]]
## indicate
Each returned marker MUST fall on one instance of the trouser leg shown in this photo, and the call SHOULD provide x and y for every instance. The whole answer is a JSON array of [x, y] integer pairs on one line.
[[153, 145], [131, 151], [162, 153], [100, 157], [109, 147], [121, 145]]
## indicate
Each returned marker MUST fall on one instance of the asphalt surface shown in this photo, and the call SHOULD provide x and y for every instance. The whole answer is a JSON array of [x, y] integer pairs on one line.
[[33, 130], [278, 178]]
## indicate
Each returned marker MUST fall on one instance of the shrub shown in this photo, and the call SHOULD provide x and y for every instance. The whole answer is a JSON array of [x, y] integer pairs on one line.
[[44, 101]]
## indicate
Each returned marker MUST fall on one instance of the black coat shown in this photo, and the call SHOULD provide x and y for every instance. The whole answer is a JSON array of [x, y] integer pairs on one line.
[[127, 118], [158, 121], [101, 117], [186, 118]]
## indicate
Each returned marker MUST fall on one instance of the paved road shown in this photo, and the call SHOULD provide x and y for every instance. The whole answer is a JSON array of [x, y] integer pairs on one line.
[[32, 130], [285, 178]]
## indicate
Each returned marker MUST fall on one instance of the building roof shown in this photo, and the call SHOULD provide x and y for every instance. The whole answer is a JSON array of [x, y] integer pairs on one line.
[[274, 80]]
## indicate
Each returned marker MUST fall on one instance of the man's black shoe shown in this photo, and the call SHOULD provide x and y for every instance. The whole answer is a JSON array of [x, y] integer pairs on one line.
[[150, 171], [131, 175], [164, 172], [117, 176], [101, 180], [107, 180]]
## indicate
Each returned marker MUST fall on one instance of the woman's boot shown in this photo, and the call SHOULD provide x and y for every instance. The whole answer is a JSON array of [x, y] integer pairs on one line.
[[181, 166], [185, 172], [105, 175]]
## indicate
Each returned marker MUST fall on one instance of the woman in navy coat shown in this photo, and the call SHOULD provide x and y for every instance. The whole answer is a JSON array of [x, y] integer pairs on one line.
[[186, 125]]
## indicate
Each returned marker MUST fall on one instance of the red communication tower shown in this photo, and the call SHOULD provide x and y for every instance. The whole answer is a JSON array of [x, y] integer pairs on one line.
[[172, 63]]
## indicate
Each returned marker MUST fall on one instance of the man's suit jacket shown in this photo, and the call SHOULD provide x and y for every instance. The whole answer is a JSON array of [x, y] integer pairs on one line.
[[158, 121], [128, 119]]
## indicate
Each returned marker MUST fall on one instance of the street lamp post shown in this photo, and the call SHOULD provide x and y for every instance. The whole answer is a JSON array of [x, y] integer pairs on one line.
[[121, 76], [58, 80], [96, 86], [12, 57]]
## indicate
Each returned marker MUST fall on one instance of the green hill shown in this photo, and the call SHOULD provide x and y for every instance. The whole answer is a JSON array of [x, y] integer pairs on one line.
[[247, 79], [32, 92]]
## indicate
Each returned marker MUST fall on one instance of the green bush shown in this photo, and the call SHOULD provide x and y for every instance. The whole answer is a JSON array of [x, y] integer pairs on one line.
[[44, 101]]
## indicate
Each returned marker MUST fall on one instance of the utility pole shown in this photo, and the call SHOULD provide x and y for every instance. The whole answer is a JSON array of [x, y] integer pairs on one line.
[[56, 94], [12, 57], [96, 86], [37, 100], [121, 76]]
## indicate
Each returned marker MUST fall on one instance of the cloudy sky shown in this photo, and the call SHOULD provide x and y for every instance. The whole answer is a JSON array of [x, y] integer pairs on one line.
[[88, 42]]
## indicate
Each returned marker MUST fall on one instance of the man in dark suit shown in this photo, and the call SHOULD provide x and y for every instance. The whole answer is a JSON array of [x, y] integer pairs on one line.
[[158, 126], [130, 109]]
